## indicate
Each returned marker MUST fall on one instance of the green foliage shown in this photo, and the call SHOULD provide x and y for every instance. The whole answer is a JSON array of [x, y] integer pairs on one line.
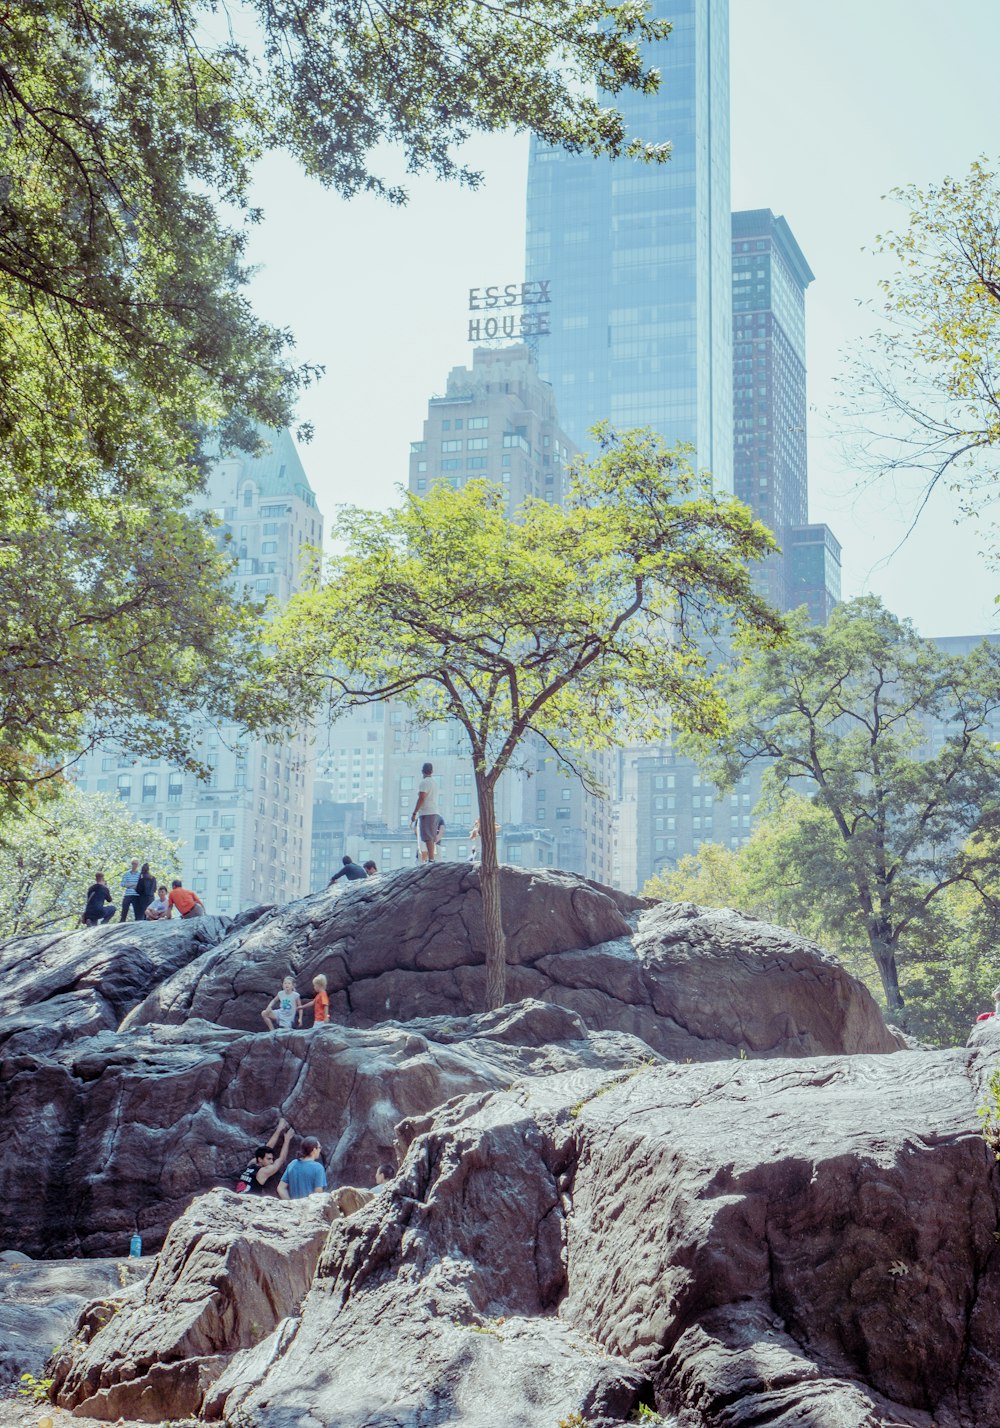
[[843, 711], [129, 134], [49, 854], [125, 633], [925, 399], [989, 1114], [574, 625], [39, 1390]]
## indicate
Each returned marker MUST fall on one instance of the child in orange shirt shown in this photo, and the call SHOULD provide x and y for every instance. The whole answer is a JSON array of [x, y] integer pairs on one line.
[[321, 1002]]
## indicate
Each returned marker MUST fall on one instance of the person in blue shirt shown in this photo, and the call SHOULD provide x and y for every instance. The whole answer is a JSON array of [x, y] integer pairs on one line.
[[351, 870], [305, 1175]]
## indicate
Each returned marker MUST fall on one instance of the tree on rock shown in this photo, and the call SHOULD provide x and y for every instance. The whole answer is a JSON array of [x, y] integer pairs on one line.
[[891, 738], [578, 624]]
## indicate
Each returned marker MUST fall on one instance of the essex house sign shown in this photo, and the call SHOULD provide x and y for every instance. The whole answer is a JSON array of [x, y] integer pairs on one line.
[[509, 312]]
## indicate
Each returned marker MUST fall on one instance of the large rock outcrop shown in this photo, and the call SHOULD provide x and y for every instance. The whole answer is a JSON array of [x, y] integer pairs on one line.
[[696, 984], [231, 1268], [117, 1132], [800, 1244], [59, 987]]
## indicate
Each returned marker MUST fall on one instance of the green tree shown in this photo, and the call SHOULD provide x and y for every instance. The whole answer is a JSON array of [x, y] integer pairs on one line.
[[925, 397], [48, 857], [129, 134], [846, 712], [574, 624]]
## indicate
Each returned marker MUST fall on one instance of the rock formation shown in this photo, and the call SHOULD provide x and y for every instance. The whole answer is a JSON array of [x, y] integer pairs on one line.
[[601, 1204]]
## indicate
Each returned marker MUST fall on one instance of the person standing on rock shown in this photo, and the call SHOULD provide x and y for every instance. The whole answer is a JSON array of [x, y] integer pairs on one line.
[[130, 882], [266, 1163], [305, 1175], [425, 813], [100, 905], [321, 1001], [145, 891]]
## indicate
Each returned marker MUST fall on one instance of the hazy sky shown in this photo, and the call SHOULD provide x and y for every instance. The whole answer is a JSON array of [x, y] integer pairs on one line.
[[832, 105]]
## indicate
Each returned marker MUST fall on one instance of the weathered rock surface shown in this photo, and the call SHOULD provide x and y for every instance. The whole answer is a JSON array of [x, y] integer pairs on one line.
[[40, 1302], [59, 987], [231, 1268], [117, 1132], [694, 983], [802, 1244]]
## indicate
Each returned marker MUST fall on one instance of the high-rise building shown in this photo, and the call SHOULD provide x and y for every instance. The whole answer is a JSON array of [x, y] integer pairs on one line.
[[245, 834], [638, 256]]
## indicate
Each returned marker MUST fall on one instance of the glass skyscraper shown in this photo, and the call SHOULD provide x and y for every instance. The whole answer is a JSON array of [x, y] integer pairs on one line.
[[639, 256]]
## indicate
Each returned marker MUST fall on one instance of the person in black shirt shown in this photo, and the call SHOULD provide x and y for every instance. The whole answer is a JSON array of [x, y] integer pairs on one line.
[[351, 870], [267, 1162], [100, 904], [145, 891]]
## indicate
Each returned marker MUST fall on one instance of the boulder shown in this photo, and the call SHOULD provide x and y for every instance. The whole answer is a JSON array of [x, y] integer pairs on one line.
[[694, 983], [41, 1301], [117, 1132], [230, 1269], [803, 1243], [58, 987]]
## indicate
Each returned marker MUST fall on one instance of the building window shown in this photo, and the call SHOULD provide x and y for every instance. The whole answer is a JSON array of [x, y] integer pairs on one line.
[[125, 786], [149, 788], [477, 443], [268, 547], [451, 446], [478, 423]]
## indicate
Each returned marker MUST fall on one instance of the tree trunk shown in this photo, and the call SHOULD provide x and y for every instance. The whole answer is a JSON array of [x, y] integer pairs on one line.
[[885, 961], [489, 885]]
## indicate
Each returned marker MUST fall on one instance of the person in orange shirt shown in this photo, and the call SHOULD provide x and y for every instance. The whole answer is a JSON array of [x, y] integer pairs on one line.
[[321, 1002], [187, 903]]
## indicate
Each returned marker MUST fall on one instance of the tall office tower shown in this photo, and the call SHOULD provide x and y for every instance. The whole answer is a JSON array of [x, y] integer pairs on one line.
[[676, 809], [638, 256], [246, 834]]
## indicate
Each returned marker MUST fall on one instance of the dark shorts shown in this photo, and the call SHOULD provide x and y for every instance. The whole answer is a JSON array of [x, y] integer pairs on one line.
[[428, 827]]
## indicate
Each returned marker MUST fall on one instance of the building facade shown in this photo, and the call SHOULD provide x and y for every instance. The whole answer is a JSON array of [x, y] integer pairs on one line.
[[638, 256], [246, 834]]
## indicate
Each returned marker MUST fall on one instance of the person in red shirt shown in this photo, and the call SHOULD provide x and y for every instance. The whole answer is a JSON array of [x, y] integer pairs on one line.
[[321, 1002], [186, 902]]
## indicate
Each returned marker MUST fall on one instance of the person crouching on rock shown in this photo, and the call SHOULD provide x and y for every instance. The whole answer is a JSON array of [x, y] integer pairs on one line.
[[284, 1008], [305, 1175], [321, 1001], [258, 1177]]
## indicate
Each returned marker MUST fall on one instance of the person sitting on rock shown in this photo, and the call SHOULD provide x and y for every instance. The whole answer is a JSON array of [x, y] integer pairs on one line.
[[305, 1175], [351, 870], [100, 904], [159, 909], [371, 868], [285, 1007], [265, 1164], [995, 1013]]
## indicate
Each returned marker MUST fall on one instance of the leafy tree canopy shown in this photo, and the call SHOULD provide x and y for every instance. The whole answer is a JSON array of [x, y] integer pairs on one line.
[[49, 855], [577, 625], [129, 132], [925, 397], [846, 713], [124, 124]]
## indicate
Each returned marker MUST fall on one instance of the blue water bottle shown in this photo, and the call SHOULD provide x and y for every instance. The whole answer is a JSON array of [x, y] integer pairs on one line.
[[135, 1247]]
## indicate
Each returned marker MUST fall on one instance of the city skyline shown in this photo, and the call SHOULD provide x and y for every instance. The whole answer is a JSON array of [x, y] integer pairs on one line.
[[366, 312]]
